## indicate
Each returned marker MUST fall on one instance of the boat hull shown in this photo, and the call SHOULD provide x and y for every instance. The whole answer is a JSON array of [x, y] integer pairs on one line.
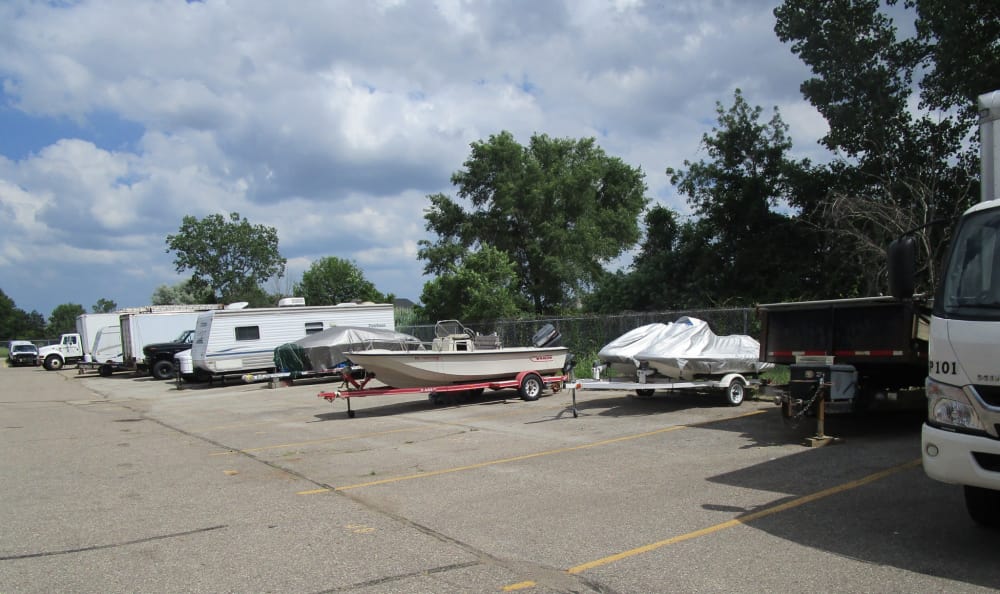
[[419, 369]]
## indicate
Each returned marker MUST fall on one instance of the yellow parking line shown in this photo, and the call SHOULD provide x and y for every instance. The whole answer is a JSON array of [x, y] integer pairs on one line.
[[747, 518], [527, 456], [730, 523]]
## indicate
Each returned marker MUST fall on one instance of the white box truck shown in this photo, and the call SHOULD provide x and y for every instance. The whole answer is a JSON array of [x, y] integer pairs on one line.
[[76, 346], [960, 439], [235, 341]]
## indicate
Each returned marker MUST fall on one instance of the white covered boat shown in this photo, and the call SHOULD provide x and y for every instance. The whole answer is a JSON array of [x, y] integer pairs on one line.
[[458, 355], [685, 349], [328, 349]]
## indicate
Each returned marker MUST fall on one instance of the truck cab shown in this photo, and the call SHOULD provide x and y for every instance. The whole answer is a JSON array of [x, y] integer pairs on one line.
[[158, 357], [69, 349], [960, 440]]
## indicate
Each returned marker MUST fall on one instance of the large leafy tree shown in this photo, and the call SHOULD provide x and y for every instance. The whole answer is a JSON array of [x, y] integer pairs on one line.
[[484, 287], [333, 280], [558, 208], [957, 43], [742, 250], [231, 258], [896, 168], [63, 318]]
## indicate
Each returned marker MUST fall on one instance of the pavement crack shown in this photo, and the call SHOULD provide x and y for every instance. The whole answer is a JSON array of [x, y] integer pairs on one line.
[[399, 577], [110, 546]]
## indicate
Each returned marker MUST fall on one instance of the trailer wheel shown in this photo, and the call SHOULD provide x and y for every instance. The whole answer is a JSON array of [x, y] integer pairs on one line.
[[983, 506], [104, 370], [531, 387], [163, 370], [735, 392], [645, 392], [53, 363]]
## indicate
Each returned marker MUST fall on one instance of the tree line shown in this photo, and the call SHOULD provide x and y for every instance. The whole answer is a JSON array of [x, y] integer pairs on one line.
[[533, 228]]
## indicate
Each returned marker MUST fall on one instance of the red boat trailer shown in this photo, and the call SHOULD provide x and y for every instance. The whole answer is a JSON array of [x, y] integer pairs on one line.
[[529, 384]]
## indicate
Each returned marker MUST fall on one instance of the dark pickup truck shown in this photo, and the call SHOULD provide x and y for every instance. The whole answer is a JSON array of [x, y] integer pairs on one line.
[[159, 357]]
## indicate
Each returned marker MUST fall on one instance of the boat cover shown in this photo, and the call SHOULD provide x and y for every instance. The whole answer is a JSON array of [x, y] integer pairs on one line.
[[624, 348], [686, 349], [327, 350]]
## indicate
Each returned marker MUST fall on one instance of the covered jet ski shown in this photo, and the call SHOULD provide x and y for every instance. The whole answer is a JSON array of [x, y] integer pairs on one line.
[[685, 349]]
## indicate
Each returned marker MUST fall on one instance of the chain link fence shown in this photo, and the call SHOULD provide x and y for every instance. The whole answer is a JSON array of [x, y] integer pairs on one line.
[[585, 335]]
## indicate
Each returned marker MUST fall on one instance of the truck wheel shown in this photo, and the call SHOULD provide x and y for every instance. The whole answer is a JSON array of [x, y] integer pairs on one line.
[[983, 506], [53, 363], [531, 387], [105, 370], [163, 370], [735, 392]]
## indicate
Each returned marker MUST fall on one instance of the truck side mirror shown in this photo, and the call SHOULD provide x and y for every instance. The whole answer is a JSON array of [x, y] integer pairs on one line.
[[902, 267]]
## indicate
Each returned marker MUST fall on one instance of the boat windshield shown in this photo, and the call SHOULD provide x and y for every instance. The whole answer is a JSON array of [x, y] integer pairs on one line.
[[971, 285], [446, 328]]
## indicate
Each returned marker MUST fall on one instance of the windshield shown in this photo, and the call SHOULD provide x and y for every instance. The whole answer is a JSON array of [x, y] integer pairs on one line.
[[25, 348], [186, 336], [971, 284]]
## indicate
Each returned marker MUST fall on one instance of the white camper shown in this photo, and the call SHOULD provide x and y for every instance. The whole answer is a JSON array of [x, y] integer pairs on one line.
[[229, 341]]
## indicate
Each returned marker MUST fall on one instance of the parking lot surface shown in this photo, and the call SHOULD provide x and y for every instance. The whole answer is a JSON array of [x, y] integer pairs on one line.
[[129, 484]]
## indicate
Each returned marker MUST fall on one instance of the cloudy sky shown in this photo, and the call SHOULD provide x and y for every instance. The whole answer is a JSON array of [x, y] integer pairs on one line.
[[332, 121]]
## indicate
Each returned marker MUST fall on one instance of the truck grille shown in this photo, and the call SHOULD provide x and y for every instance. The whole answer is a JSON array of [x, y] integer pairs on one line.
[[989, 394]]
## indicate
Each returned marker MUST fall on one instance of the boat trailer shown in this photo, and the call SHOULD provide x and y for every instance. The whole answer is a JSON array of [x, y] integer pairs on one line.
[[529, 384]]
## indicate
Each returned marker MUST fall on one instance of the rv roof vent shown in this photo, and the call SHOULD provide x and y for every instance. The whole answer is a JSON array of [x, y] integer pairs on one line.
[[291, 301], [238, 305]]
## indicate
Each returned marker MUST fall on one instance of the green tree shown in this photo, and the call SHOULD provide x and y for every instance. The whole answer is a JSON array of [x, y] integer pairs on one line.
[[63, 319], [182, 293], [104, 306], [896, 169], [33, 325], [15, 323], [484, 287], [958, 46], [558, 208], [229, 258], [742, 250], [10, 317], [331, 280]]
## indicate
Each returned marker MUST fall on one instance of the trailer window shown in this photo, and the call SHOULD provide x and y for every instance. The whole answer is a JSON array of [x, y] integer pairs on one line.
[[313, 327], [248, 333]]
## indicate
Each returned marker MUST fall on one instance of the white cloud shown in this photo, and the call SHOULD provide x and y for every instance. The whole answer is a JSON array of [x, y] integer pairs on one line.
[[333, 121]]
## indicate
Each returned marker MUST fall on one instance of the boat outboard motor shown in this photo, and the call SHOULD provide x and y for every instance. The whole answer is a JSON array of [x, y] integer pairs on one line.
[[547, 336]]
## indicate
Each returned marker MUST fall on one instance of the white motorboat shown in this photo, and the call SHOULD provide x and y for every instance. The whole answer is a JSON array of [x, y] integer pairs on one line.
[[458, 355]]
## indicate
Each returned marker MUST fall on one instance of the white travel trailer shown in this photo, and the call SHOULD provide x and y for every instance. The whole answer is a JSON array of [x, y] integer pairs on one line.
[[230, 341]]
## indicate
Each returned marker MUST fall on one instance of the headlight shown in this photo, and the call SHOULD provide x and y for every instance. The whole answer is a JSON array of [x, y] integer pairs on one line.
[[949, 406]]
